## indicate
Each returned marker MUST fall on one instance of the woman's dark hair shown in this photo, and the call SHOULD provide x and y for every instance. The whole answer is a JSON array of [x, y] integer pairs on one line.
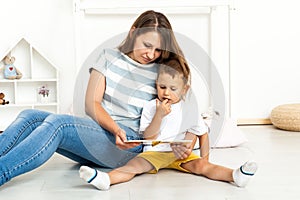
[[150, 21]]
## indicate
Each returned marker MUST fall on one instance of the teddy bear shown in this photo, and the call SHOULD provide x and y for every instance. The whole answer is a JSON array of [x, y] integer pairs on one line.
[[2, 100], [10, 71]]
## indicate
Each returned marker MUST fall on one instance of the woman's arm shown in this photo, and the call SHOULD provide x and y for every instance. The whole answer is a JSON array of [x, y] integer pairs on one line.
[[93, 99], [93, 108]]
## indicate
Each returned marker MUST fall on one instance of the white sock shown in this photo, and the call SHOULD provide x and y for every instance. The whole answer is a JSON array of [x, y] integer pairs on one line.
[[242, 175], [97, 178]]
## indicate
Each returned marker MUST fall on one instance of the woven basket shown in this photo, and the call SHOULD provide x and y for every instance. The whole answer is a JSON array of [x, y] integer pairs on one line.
[[286, 117]]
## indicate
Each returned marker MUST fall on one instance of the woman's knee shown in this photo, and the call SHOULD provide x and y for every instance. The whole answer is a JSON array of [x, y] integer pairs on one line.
[[59, 119], [28, 112], [33, 114]]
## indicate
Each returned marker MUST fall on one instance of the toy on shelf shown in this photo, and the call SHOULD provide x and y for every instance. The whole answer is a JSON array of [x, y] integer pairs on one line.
[[2, 100], [10, 71]]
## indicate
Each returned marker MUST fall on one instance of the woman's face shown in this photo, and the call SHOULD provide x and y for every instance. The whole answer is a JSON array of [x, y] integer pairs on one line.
[[146, 48]]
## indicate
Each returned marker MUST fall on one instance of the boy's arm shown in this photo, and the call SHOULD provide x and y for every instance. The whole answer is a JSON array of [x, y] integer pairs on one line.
[[162, 109], [204, 146], [152, 131]]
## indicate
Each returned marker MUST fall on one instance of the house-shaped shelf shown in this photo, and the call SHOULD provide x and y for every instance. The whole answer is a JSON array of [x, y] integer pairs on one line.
[[37, 71]]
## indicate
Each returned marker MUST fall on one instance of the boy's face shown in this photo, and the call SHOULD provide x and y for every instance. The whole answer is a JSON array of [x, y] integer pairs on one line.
[[170, 88]]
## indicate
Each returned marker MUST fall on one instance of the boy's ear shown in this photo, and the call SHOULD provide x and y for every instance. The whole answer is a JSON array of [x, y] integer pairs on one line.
[[185, 89], [131, 31]]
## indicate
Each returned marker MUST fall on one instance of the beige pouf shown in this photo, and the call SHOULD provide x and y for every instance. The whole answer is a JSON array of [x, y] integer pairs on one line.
[[286, 117]]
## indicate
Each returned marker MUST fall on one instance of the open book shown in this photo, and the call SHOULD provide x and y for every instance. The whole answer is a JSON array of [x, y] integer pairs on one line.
[[156, 142]]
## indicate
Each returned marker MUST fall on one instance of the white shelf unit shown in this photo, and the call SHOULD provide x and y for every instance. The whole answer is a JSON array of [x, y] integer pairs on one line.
[[23, 93]]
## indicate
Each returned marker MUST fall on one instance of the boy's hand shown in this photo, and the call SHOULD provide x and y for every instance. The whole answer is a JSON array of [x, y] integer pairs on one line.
[[163, 108], [184, 150], [181, 150]]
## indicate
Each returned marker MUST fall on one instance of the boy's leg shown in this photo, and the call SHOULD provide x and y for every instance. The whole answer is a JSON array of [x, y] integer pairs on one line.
[[239, 176], [242, 175], [102, 180], [95, 177], [204, 167], [125, 173]]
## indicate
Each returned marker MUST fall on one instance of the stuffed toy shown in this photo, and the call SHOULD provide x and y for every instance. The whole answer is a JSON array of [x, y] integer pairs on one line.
[[2, 100], [10, 71]]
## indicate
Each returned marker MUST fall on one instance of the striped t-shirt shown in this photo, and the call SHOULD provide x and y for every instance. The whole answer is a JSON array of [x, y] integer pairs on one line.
[[129, 85]]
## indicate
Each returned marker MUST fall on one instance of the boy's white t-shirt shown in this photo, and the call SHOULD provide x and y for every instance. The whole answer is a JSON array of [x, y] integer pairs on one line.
[[182, 118]]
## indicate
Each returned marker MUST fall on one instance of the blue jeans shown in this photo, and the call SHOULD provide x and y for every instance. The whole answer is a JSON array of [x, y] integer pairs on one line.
[[36, 135]]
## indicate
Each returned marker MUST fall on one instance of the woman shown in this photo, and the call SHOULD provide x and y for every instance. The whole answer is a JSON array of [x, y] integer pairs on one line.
[[120, 81]]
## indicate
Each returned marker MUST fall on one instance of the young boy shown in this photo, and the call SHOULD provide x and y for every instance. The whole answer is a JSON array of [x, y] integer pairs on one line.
[[166, 118]]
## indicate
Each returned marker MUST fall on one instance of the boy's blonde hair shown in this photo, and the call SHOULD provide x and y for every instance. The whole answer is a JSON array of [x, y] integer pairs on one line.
[[173, 67]]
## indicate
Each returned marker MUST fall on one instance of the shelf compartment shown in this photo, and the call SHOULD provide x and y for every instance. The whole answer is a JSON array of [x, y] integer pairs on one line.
[[28, 91], [22, 54], [41, 68], [9, 90]]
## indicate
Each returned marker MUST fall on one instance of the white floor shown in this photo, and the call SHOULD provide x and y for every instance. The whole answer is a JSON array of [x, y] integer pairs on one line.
[[277, 153]]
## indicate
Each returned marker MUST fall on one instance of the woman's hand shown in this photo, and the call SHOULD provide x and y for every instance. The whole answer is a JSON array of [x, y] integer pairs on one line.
[[121, 140], [181, 150]]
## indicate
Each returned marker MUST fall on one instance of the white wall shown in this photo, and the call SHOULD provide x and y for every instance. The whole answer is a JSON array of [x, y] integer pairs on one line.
[[265, 56], [264, 60], [95, 29], [48, 24]]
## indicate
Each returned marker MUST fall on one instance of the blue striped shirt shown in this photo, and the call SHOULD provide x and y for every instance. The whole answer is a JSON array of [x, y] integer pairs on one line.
[[129, 85]]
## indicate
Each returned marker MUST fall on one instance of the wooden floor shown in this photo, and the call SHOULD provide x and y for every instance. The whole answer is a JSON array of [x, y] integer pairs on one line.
[[277, 153]]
